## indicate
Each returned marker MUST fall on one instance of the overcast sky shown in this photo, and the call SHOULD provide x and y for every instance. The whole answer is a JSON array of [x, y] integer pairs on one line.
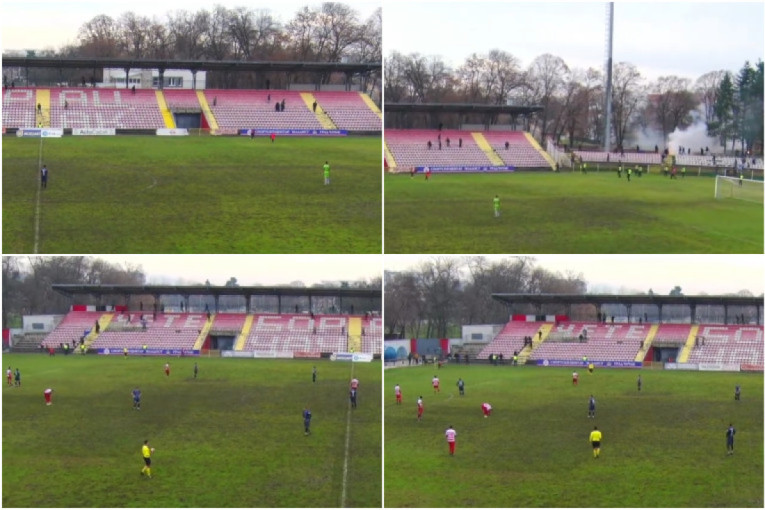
[[29, 24], [712, 274], [253, 270], [686, 39]]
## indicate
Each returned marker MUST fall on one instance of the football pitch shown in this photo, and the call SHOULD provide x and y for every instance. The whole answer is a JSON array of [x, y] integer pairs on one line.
[[233, 437], [662, 447], [566, 213], [149, 194]]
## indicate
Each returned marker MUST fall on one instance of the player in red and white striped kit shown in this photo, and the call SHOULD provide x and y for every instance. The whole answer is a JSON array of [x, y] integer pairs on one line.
[[451, 438], [420, 408], [436, 382], [397, 391], [486, 408], [48, 394]]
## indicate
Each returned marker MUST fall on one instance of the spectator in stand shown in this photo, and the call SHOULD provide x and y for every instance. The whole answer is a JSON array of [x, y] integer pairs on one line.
[[507, 145], [282, 104], [215, 101], [460, 146], [277, 106], [314, 106], [448, 142]]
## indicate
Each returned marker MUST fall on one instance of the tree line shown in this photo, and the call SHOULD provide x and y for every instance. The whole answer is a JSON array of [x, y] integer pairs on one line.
[[27, 290], [331, 32], [573, 99], [442, 293]]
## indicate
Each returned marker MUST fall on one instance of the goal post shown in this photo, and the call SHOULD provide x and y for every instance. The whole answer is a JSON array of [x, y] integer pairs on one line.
[[739, 189]]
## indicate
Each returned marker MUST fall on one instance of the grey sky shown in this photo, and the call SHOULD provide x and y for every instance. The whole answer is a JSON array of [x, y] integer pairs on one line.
[[686, 39], [253, 269], [712, 274], [53, 23]]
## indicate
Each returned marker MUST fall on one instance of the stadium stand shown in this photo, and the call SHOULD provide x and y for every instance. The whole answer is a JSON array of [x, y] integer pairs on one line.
[[19, 107], [621, 342], [104, 108], [228, 322], [167, 331], [298, 333], [672, 333], [728, 344], [601, 342], [510, 339], [185, 100], [348, 111], [409, 148], [246, 109], [72, 327], [519, 152]]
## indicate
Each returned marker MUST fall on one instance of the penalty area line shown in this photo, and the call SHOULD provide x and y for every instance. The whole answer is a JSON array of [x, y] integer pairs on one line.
[[347, 443], [37, 199]]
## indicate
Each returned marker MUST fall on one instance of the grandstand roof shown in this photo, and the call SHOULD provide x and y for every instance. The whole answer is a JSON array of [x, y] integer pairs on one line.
[[70, 290], [628, 299], [192, 65], [461, 108]]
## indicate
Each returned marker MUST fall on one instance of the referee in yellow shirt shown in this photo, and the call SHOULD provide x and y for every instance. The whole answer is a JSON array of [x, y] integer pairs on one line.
[[146, 451], [595, 437]]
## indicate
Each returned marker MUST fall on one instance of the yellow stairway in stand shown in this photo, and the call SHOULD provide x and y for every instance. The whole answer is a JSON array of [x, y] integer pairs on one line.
[[371, 104], [523, 356], [208, 112], [320, 114], [203, 334], [43, 99], [167, 115], [539, 149], [354, 334], [688, 347], [389, 157], [103, 322], [486, 147], [647, 342], [242, 338]]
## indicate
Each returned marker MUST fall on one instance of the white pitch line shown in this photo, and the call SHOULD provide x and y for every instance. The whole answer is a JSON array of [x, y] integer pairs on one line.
[[347, 443], [37, 200]]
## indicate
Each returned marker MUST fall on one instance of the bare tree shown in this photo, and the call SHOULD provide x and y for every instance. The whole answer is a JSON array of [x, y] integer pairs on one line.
[[546, 77], [627, 94], [99, 37]]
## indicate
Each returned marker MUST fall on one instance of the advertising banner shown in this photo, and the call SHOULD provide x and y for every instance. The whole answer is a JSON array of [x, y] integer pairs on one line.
[[236, 354], [751, 367], [172, 132], [719, 367], [303, 354], [94, 131], [466, 169], [357, 357], [272, 354], [579, 363], [293, 132], [149, 352]]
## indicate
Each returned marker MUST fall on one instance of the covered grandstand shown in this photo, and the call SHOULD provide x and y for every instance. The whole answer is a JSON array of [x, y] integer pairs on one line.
[[485, 147], [326, 321], [304, 109], [689, 338]]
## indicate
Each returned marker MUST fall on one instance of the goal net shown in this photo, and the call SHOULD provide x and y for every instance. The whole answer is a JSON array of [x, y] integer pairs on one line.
[[740, 189]]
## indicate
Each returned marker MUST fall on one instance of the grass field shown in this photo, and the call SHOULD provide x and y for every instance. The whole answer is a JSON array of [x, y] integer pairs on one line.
[[566, 213], [147, 194], [231, 438], [662, 447]]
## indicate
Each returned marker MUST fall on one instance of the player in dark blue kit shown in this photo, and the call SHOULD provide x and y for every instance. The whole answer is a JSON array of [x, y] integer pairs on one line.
[[729, 438], [137, 399], [307, 420], [353, 398], [591, 408]]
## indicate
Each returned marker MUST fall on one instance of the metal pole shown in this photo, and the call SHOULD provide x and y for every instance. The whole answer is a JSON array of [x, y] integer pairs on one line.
[[609, 68]]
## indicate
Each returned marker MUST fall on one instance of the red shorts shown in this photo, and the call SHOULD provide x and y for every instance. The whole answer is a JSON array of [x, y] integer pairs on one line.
[[47, 397], [419, 411], [398, 397], [167, 372], [487, 412], [451, 446], [435, 386]]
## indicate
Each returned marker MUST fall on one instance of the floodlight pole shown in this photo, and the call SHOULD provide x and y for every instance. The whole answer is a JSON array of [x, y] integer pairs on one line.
[[609, 68]]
